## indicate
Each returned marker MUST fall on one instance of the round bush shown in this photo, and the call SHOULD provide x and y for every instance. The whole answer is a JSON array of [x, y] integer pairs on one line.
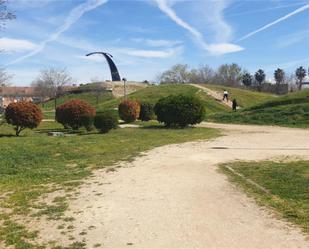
[[180, 110], [75, 114], [147, 112], [105, 121], [129, 110], [23, 115]]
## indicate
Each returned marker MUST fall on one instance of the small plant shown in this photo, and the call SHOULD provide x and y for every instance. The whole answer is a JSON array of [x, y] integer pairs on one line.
[[105, 121], [129, 110], [147, 111], [23, 115], [180, 110], [75, 114]]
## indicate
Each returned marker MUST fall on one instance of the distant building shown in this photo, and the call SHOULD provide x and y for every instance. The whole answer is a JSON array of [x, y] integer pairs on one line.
[[14, 94]]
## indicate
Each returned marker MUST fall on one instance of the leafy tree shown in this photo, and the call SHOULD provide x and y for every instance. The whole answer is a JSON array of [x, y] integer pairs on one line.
[[75, 114], [259, 77], [105, 121], [300, 74], [247, 79], [177, 74], [23, 115], [129, 110], [50, 83], [229, 75], [147, 111], [180, 110], [279, 76]]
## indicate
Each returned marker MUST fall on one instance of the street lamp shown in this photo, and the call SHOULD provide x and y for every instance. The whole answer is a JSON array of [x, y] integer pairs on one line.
[[124, 88]]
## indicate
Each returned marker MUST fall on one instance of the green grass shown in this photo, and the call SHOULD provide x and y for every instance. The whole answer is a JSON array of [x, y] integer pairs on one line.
[[288, 184], [154, 93], [291, 110], [91, 98], [150, 94], [34, 164], [245, 98]]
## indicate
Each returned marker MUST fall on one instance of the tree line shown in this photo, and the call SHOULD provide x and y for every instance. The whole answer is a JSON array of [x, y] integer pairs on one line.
[[229, 75]]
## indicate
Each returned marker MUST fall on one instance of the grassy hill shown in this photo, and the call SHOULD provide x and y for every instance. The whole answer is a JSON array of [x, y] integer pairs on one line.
[[245, 98], [289, 110], [150, 94], [91, 98], [154, 93]]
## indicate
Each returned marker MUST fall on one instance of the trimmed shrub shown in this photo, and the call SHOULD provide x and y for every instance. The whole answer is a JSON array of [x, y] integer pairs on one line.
[[105, 121], [180, 110], [23, 115], [147, 112], [75, 114], [129, 110]]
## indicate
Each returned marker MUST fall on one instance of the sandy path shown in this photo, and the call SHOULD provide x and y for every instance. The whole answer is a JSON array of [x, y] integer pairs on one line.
[[173, 197], [216, 95]]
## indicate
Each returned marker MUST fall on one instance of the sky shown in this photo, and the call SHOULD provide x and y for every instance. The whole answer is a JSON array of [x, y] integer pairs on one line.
[[147, 37]]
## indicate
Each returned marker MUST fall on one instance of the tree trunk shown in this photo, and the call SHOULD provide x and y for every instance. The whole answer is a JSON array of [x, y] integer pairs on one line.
[[18, 130]]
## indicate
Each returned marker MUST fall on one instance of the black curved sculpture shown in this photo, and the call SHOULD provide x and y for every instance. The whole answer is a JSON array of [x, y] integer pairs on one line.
[[112, 66]]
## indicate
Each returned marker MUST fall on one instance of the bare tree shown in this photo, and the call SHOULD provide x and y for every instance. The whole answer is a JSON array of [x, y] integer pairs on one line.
[[4, 78], [204, 74], [50, 83], [177, 74], [229, 75]]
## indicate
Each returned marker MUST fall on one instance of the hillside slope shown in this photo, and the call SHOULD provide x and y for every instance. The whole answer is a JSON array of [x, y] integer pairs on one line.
[[154, 93], [289, 110], [245, 98]]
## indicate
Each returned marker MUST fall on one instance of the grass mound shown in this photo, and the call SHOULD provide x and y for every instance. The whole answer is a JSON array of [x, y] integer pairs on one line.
[[291, 110], [154, 93], [245, 98]]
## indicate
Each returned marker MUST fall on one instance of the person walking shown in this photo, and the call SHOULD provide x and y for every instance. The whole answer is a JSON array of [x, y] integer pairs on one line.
[[226, 95], [234, 105]]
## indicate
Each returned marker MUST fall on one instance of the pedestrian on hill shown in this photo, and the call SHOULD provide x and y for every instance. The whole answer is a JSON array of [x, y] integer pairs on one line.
[[226, 95], [234, 105]]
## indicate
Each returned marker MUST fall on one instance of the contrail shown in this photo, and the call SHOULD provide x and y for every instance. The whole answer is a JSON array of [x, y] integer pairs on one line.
[[219, 48], [295, 12], [74, 15]]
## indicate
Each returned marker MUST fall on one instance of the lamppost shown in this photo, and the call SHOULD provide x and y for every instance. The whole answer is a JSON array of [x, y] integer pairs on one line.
[[124, 88]]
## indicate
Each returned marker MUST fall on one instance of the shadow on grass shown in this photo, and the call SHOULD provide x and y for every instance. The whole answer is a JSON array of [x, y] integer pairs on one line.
[[7, 135], [163, 127]]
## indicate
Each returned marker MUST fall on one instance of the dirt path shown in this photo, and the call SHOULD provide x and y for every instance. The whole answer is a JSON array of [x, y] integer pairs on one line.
[[174, 197], [216, 95]]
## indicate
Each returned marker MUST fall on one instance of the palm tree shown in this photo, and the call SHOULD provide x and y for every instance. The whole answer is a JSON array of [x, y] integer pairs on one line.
[[259, 77], [279, 76], [247, 79], [300, 74]]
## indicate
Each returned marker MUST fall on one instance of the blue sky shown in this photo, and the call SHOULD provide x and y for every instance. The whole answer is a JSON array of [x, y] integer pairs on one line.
[[147, 37]]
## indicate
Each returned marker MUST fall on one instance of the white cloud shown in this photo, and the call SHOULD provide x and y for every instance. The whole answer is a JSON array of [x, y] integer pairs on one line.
[[16, 45], [224, 48], [153, 53], [281, 19], [72, 18], [156, 43], [197, 36]]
